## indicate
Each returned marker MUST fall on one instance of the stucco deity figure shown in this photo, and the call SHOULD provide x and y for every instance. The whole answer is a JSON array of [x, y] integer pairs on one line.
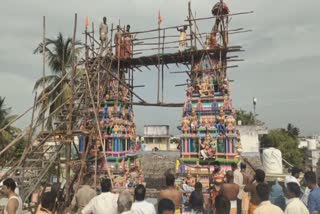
[[204, 88], [185, 125], [187, 108], [189, 91], [226, 103], [207, 150], [199, 105]]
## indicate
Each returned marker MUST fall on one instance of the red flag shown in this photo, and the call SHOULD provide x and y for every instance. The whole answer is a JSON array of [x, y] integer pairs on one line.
[[159, 18], [87, 22]]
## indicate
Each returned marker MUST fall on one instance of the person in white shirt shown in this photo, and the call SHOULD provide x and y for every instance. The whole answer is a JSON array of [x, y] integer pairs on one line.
[[106, 202], [265, 207], [140, 206], [294, 205], [182, 38], [238, 179], [295, 172], [124, 202]]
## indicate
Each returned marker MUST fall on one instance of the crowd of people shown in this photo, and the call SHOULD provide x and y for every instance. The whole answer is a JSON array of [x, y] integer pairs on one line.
[[231, 192]]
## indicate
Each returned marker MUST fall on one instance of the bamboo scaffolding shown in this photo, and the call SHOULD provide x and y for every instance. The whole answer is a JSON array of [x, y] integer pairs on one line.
[[31, 130], [153, 38], [219, 16], [21, 135], [231, 66], [98, 68], [93, 102], [71, 108], [124, 84], [150, 49], [192, 34], [39, 101], [156, 29], [162, 65], [166, 43]]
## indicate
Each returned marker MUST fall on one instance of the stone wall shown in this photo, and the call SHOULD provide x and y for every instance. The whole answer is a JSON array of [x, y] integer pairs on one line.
[[154, 165]]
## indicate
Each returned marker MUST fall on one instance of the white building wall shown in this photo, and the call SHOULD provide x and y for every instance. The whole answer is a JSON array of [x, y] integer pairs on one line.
[[160, 130], [249, 139]]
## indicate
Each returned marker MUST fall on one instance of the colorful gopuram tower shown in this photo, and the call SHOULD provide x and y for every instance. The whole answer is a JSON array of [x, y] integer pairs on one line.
[[208, 125], [116, 120]]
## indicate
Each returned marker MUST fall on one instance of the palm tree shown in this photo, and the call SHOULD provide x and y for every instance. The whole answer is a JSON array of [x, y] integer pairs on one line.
[[60, 58], [8, 134], [292, 130]]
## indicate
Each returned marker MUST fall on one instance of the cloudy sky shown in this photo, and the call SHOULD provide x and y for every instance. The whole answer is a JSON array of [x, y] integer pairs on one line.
[[280, 68]]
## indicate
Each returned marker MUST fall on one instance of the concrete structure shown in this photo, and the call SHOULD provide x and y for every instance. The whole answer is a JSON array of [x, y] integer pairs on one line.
[[312, 146], [312, 159], [309, 143], [156, 136], [249, 138]]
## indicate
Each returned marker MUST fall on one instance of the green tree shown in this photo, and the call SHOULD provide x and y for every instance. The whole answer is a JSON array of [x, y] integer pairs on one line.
[[8, 135], [283, 140], [247, 118], [60, 58]]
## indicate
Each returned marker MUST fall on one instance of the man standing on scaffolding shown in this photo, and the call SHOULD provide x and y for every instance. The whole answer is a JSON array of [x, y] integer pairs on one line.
[[104, 32], [220, 10], [118, 42], [127, 43], [182, 38]]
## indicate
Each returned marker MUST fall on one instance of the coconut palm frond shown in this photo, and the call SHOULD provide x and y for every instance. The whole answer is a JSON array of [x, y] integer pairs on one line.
[[9, 133], [60, 57], [47, 79], [4, 111]]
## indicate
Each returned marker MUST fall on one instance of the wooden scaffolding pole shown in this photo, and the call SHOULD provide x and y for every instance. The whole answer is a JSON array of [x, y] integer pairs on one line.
[[29, 142], [43, 61], [70, 123], [158, 90], [162, 67]]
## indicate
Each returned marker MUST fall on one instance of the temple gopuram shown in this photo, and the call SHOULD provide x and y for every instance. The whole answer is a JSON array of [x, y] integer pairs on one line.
[[208, 125]]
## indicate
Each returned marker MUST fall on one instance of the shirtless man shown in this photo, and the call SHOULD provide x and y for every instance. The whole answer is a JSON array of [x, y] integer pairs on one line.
[[251, 188], [230, 190], [245, 174], [216, 180], [104, 32], [171, 192], [245, 195]]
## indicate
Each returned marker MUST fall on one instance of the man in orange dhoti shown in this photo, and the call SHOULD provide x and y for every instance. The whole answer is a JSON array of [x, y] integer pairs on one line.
[[127, 44], [118, 42]]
